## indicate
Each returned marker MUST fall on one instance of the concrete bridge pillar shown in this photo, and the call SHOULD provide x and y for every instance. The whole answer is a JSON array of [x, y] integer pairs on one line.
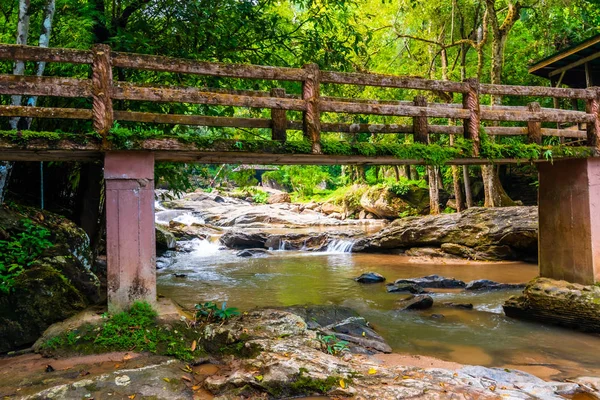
[[569, 215], [130, 242]]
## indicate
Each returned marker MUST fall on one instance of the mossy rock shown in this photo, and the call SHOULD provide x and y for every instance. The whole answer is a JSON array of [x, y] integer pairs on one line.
[[41, 296]]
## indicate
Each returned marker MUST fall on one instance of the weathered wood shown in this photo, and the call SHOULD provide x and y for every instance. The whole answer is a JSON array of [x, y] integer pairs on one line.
[[45, 86], [102, 80], [524, 116], [312, 114], [45, 112], [513, 90], [403, 82], [198, 120], [278, 118], [130, 91], [593, 127], [397, 110], [472, 122], [534, 128], [420, 132], [178, 65], [34, 53]]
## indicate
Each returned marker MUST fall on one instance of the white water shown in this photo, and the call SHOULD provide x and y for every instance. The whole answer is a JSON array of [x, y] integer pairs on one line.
[[204, 247], [338, 246], [184, 217], [189, 219]]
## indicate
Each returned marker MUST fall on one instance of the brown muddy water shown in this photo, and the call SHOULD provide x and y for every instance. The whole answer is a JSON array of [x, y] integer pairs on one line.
[[482, 336]]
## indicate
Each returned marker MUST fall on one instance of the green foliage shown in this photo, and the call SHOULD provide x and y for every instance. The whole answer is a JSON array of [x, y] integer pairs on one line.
[[304, 179], [403, 186], [19, 252], [304, 384], [136, 329], [332, 345], [244, 178], [210, 312]]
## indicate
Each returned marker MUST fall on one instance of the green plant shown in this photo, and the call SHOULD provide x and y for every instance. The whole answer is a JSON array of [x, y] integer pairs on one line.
[[21, 251], [210, 312], [332, 345]]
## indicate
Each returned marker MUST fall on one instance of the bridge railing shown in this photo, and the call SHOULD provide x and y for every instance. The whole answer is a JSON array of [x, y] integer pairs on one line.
[[103, 89]]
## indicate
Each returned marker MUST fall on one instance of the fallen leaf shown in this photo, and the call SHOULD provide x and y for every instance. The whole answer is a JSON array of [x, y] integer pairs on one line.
[[342, 384], [132, 396], [185, 378], [405, 377], [166, 380], [127, 356], [364, 334], [187, 369], [117, 365], [372, 371], [193, 346], [259, 378], [196, 387], [492, 388]]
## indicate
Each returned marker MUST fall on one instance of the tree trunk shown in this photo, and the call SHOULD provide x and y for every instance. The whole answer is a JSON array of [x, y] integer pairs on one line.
[[434, 191], [467, 182]]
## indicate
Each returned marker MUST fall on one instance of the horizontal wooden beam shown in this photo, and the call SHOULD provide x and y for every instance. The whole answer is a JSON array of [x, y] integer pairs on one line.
[[543, 116], [392, 81], [169, 94], [197, 120], [511, 90], [33, 53], [574, 64], [396, 110], [45, 112], [45, 86], [178, 65]]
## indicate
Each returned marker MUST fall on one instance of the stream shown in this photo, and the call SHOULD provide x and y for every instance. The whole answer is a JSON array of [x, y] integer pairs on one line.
[[205, 271]]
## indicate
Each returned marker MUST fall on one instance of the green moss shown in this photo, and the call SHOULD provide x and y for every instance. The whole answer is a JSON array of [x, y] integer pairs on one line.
[[134, 329], [304, 384]]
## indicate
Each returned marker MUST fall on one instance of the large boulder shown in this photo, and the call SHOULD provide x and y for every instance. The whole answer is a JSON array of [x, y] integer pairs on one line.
[[492, 233], [558, 302], [433, 281], [53, 286], [384, 203], [282, 197], [165, 240]]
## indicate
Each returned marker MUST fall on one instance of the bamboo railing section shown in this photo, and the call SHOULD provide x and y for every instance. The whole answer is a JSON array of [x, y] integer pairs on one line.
[[103, 89]]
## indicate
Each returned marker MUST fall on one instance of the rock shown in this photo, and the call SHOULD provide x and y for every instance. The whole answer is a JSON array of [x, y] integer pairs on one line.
[[486, 284], [242, 240], [362, 214], [370, 277], [279, 198], [416, 302], [437, 316], [165, 240], [433, 281], [464, 306], [252, 253], [404, 288], [329, 208], [427, 252], [499, 233], [383, 203], [336, 215], [56, 285], [558, 302]]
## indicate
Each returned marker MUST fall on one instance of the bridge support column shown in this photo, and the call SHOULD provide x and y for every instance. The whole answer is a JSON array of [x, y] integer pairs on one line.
[[569, 215], [130, 242]]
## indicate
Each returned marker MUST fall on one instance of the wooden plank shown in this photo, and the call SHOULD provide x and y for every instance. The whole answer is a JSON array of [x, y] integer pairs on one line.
[[392, 81], [564, 54], [593, 127], [312, 115], [130, 91], [178, 65], [34, 53], [45, 86], [472, 122], [397, 110], [546, 116], [420, 132], [45, 112], [534, 128], [278, 118], [197, 120], [513, 90]]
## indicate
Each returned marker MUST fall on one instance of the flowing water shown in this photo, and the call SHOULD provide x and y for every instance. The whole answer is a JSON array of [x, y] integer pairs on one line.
[[482, 336]]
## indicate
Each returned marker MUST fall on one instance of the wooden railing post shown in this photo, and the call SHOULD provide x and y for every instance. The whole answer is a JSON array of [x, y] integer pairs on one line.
[[471, 124], [420, 130], [102, 81], [278, 118], [534, 128], [312, 115], [593, 128]]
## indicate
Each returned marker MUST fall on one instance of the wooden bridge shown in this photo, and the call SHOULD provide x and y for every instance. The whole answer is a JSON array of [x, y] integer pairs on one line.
[[569, 205]]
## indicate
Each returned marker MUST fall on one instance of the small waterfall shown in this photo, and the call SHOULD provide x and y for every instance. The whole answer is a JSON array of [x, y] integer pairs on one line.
[[204, 247], [338, 246], [281, 245], [189, 219]]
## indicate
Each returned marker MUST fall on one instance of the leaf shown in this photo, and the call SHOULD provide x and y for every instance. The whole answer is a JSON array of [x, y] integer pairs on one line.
[[372, 371], [131, 397], [342, 384], [193, 348], [195, 387], [259, 378], [127, 356], [185, 378], [167, 380]]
